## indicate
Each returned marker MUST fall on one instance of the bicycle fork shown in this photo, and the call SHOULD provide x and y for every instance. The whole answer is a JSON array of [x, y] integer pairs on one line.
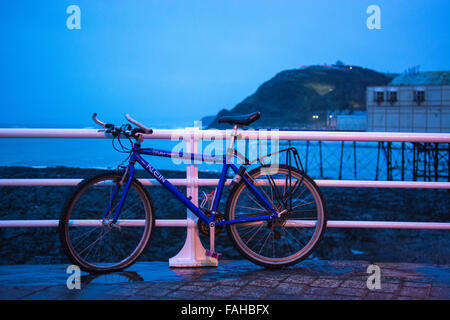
[[130, 171]]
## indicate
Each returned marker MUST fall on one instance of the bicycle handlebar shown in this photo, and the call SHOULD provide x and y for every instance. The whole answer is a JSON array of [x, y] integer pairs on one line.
[[127, 131], [140, 125], [94, 117]]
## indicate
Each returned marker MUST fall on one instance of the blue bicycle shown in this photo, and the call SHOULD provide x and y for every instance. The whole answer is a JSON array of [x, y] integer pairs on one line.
[[275, 215]]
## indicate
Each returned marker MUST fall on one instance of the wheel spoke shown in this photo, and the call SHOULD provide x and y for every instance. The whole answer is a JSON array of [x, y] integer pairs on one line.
[[275, 242], [268, 235], [111, 246]]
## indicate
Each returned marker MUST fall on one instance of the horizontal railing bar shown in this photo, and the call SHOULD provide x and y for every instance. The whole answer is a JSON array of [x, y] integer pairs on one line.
[[74, 182], [214, 182], [247, 134], [93, 223], [82, 133], [376, 224], [185, 223], [383, 184]]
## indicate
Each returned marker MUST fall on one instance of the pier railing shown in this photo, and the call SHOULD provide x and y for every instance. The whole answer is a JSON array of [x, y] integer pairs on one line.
[[193, 253]]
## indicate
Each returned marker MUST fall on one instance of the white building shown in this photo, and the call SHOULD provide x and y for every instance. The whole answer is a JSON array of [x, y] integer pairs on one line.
[[411, 103], [351, 122]]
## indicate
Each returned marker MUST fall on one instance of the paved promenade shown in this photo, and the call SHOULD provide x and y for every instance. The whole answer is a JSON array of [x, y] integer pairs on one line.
[[232, 280]]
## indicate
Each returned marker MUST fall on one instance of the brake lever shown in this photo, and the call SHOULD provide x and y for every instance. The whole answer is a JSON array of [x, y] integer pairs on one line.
[[113, 130]]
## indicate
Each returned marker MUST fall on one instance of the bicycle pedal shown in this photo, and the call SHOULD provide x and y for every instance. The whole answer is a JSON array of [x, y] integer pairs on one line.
[[213, 254]]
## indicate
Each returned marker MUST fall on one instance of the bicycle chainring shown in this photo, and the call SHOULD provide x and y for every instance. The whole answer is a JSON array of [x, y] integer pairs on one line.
[[204, 228]]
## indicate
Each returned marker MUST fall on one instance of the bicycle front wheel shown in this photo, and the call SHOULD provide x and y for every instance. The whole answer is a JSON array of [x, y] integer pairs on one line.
[[87, 234], [286, 240]]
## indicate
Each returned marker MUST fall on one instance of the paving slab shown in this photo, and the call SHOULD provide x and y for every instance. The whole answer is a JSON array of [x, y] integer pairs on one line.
[[232, 280]]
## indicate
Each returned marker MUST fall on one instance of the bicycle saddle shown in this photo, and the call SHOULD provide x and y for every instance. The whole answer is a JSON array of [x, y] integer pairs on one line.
[[243, 120]]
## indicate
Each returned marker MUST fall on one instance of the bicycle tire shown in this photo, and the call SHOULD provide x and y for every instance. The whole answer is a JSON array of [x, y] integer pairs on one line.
[[81, 197], [265, 260]]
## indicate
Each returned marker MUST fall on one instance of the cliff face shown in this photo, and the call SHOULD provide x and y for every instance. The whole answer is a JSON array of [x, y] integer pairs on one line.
[[292, 97]]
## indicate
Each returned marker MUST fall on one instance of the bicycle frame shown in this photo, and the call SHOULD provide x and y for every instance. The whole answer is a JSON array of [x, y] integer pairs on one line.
[[136, 156]]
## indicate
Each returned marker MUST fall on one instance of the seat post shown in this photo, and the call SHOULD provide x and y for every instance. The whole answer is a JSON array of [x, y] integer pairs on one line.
[[230, 150]]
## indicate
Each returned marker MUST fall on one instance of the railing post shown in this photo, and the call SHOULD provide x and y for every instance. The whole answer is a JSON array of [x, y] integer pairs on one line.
[[193, 254]]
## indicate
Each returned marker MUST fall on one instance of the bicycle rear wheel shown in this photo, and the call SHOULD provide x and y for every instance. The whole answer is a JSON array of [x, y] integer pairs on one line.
[[87, 234], [286, 240]]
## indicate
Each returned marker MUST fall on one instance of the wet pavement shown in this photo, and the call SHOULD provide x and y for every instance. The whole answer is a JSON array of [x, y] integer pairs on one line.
[[235, 280]]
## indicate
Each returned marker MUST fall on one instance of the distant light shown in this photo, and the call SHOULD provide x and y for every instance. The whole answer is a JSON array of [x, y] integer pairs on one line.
[[315, 116], [351, 68], [331, 116]]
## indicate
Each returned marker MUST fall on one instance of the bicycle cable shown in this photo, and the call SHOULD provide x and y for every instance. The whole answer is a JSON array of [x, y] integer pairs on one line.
[[122, 148]]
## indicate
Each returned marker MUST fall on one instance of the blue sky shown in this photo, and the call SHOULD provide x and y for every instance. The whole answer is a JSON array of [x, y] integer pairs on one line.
[[169, 63]]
